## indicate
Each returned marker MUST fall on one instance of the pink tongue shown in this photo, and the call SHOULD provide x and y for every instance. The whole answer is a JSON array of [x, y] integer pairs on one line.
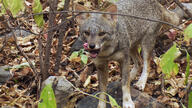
[[85, 45], [93, 55]]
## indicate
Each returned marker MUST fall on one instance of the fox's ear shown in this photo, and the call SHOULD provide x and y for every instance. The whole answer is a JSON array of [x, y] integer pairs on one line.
[[112, 9], [80, 18]]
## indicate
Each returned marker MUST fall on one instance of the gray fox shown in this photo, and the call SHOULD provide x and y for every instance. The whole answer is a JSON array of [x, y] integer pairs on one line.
[[110, 37]]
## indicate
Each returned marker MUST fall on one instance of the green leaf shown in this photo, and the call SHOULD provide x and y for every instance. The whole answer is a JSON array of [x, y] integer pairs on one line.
[[47, 97], [183, 106], [113, 102], [167, 62], [26, 64], [5, 2], [37, 8], [139, 49], [190, 100], [188, 33], [84, 58], [187, 68], [81, 51], [16, 6], [74, 55]]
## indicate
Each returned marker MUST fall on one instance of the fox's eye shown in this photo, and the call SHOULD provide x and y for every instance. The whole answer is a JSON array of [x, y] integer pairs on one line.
[[86, 33], [102, 33]]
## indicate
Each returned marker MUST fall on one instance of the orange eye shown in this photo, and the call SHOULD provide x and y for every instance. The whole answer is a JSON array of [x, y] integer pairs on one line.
[[102, 33]]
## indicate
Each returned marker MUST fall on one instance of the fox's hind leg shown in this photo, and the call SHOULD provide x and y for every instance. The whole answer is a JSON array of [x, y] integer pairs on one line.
[[136, 60], [147, 45]]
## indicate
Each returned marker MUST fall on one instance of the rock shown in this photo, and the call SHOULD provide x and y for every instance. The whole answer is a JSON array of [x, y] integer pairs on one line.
[[141, 99], [19, 33], [4, 74], [62, 89], [78, 44]]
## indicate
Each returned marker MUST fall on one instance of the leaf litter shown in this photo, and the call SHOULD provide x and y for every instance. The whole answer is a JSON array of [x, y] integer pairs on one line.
[[20, 90]]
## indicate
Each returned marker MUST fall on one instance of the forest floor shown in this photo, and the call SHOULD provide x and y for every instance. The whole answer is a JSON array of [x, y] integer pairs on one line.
[[21, 89]]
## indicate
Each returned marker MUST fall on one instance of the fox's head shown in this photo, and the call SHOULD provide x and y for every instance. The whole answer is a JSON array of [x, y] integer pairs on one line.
[[96, 29]]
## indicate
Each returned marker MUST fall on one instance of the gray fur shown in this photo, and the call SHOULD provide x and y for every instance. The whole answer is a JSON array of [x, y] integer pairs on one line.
[[121, 41]]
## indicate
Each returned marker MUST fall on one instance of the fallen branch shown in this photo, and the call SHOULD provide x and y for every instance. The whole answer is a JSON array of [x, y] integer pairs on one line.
[[61, 37]]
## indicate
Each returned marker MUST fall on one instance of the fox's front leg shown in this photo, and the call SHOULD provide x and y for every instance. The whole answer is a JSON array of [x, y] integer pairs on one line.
[[126, 80], [102, 73]]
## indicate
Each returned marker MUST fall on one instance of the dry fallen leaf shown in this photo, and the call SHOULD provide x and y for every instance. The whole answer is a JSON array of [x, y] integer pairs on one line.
[[83, 74]]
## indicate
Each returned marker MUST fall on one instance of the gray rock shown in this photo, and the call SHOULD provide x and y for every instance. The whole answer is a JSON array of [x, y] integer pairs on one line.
[[78, 44], [141, 99], [4, 74], [19, 33], [62, 89]]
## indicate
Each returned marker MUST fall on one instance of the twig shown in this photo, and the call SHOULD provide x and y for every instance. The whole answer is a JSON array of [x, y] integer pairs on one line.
[[163, 84], [24, 55], [187, 91], [53, 7], [20, 50], [94, 96], [61, 36], [41, 64], [98, 12], [15, 39]]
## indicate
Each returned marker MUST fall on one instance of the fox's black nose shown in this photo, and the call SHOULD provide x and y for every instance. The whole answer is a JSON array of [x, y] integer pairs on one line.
[[92, 46]]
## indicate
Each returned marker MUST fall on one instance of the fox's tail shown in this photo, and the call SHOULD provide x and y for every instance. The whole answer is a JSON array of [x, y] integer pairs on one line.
[[175, 16]]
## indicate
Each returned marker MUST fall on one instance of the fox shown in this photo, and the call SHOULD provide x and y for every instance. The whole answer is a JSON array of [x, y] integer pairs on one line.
[[111, 37]]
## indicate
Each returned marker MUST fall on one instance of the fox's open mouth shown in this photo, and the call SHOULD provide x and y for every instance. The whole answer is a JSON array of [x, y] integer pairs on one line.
[[94, 52]]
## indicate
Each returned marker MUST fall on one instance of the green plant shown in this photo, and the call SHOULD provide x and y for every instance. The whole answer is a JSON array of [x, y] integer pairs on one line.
[[47, 98], [37, 8], [80, 54], [167, 64], [16, 6], [190, 100], [112, 101], [188, 33], [187, 72]]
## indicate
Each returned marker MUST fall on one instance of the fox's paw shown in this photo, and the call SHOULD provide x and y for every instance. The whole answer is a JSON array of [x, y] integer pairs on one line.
[[129, 104], [140, 85]]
